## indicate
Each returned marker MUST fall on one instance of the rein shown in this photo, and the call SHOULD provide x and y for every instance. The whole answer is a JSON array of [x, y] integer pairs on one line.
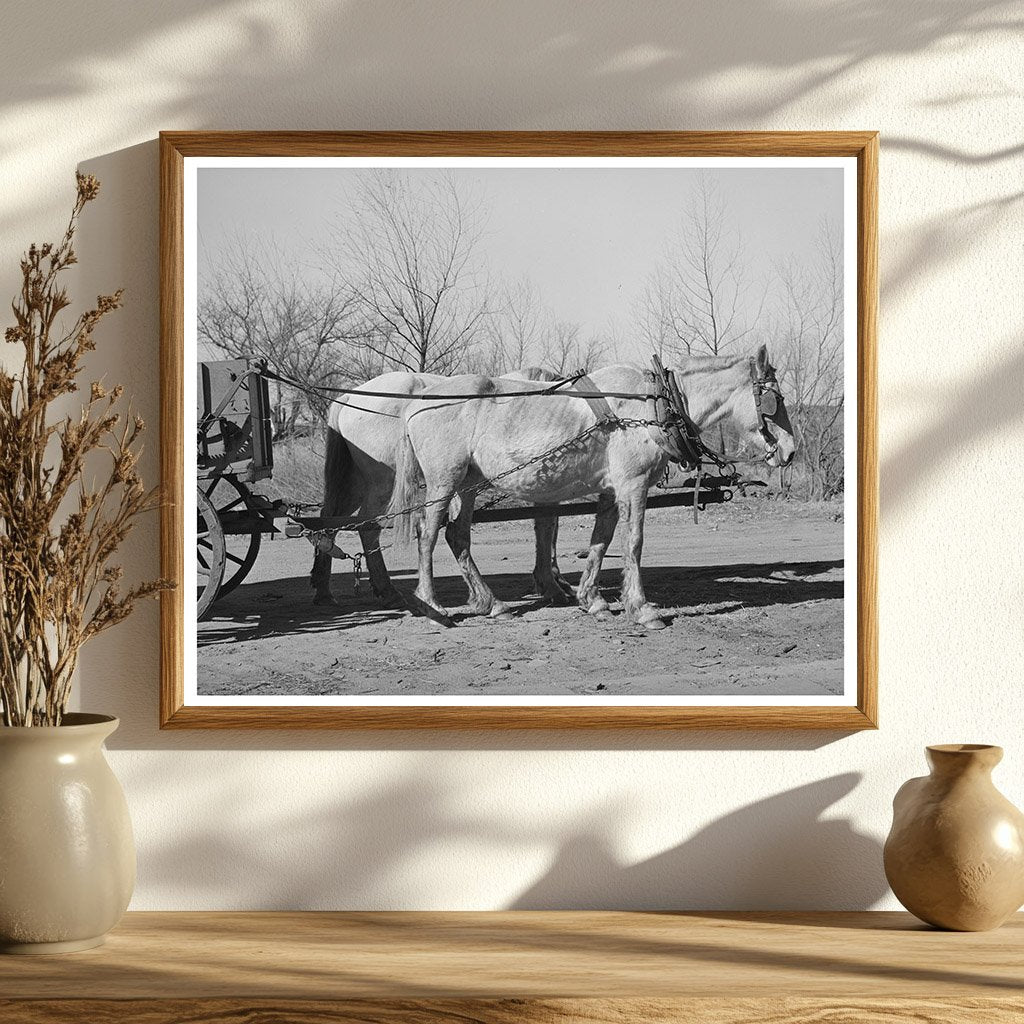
[[555, 388]]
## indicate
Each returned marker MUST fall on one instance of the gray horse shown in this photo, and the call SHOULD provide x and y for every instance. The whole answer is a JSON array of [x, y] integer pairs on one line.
[[364, 438], [451, 447]]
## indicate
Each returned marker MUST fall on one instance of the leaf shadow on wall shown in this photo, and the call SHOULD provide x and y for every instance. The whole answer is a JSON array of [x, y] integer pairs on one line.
[[404, 842], [314, 65], [939, 243], [777, 853], [962, 415], [534, 64]]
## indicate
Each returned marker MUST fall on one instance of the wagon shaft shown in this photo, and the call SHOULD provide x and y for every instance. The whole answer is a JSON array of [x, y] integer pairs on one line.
[[706, 496], [256, 516], [710, 496]]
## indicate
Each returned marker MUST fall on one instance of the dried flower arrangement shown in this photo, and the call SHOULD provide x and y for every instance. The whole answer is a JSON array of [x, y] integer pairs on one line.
[[58, 587]]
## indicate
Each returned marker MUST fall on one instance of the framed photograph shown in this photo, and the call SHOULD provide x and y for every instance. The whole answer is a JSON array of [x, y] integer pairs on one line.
[[519, 430]]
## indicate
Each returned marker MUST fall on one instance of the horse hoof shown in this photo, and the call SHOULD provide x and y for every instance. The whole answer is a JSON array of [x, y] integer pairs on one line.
[[435, 612], [597, 609], [654, 624], [325, 600], [503, 617], [391, 602]]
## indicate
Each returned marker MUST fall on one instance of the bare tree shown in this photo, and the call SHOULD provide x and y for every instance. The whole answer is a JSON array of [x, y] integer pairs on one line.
[[410, 248], [701, 300], [567, 351], [809, 323], [523, 332], [511, 338], [656, 313], [254, 306]]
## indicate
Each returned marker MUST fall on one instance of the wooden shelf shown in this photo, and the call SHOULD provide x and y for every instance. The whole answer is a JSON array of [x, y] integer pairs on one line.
[[595, 966]]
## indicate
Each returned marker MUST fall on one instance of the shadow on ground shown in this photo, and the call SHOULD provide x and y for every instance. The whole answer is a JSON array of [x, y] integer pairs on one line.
[[284, 607]]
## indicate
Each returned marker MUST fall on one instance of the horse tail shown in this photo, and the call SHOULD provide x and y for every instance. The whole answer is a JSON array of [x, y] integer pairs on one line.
[[409, 484], [337, 463]]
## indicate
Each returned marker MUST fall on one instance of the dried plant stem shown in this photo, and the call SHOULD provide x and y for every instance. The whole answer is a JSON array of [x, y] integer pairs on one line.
[[58, 586]]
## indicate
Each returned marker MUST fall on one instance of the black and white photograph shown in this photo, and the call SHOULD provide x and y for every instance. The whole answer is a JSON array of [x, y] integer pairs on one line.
[[522, 431]]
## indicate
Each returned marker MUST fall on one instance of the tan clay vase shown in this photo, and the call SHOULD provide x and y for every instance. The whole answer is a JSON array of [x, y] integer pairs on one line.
[[955, 855], [67, 856]]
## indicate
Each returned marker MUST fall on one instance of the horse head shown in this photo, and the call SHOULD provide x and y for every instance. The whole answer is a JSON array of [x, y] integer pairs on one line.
[[762, 412]]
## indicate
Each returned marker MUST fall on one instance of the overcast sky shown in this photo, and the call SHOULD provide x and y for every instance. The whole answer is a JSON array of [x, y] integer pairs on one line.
[[588, 238]]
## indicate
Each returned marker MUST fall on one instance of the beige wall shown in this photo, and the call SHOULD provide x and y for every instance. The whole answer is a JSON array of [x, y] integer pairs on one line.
[[450, 821]]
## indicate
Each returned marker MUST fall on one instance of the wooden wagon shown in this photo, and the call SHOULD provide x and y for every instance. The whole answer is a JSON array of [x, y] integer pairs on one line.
[[235, 451]]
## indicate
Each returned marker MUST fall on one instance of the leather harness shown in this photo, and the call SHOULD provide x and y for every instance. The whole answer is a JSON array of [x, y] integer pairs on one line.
[[670, 423]]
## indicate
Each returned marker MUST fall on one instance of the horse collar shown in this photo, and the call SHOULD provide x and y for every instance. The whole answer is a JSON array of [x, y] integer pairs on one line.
[[670, 424]]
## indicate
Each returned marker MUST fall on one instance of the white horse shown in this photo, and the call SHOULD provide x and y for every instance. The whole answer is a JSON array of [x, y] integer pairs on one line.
[[451, 447], [364, 438]]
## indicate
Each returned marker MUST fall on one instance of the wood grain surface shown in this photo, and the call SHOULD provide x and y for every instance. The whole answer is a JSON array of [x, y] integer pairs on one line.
[[524, 966], [516, 1011], [526, 955], [301, 143], [176, 146], [172, 430]]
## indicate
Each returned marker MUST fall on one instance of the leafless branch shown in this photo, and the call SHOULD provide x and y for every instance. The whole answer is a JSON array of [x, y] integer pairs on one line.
[[409, 243]]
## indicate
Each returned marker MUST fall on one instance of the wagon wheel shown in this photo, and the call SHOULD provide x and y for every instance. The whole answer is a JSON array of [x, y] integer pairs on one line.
[[240, 549], [210, 552]]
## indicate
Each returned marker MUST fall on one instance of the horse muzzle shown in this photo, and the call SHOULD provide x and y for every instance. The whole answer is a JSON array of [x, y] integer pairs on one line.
[[774, 459]]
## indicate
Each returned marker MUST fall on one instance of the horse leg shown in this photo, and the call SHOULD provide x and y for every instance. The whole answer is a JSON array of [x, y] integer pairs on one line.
[[320, 577], [587, 594], [428, 526], [458, 533], [380, 582], [545, 570], [560, 580], [634, 602]]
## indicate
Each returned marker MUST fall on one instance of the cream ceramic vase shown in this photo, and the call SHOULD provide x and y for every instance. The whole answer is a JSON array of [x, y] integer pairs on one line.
[[955, 855], [67, 856]]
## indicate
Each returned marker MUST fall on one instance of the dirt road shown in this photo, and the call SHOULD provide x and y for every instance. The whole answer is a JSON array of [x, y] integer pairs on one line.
[[755, 592]]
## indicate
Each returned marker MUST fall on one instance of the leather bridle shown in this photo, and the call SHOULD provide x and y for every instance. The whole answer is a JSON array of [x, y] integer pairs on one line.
[[767, 399], [677, 434]]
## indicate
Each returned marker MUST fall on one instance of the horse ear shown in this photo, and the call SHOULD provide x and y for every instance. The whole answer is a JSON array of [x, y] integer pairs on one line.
[[761, 359]]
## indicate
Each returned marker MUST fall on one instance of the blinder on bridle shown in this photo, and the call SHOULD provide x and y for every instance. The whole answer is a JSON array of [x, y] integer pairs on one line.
[[767, 396]]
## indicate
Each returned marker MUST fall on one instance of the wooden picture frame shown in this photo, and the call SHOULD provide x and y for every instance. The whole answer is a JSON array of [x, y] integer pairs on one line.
[[178, 147]]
